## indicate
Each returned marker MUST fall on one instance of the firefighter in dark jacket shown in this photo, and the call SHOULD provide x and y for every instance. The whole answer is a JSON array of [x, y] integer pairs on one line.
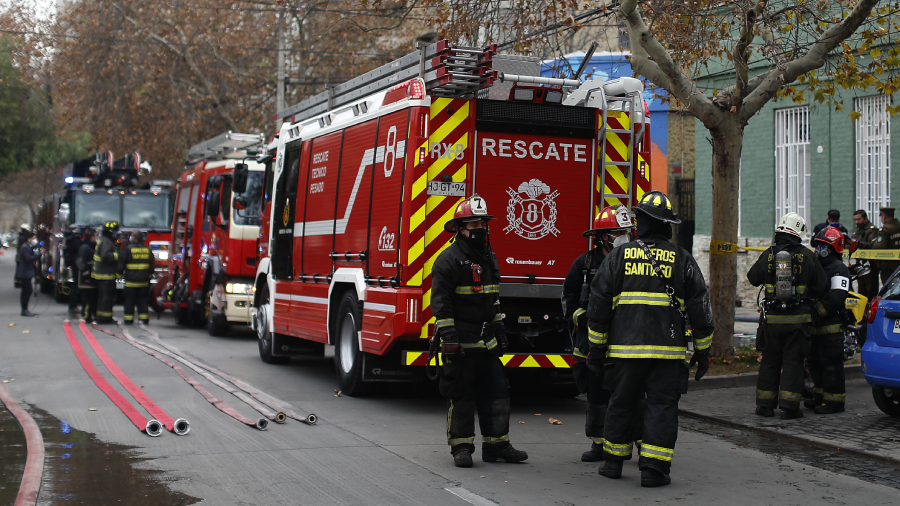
[[826, 357], [73, 244], [641, 299], [136, 265], [465, 296], [87, 285], [25, 267], [106, 263], [793, 280], [611, 228]]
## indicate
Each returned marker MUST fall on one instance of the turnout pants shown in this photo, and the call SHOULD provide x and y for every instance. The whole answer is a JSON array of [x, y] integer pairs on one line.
[[476, 382], [663, 381], [73, 291], [826, 366], [780, 381], [138, 295], [88, 303], [106, 297], [597, 400]]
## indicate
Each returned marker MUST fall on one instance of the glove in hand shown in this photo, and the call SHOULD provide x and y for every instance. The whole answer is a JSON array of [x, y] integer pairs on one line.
[[702, 361], [595, 360], [450, 344]]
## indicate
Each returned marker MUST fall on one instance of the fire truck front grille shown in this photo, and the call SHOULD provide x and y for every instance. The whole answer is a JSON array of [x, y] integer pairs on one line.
[[503, 115]]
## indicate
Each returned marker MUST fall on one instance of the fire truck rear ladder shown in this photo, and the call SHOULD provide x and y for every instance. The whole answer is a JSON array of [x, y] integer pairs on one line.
[[630, 102]]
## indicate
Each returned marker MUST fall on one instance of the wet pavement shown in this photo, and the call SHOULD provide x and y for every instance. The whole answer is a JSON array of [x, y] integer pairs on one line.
[[80, 469]]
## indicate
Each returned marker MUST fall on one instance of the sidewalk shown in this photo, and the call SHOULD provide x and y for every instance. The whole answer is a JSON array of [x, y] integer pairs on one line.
[[862, 430]]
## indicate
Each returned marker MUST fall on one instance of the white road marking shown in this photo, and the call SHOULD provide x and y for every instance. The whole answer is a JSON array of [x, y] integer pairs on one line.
[[470, 497]]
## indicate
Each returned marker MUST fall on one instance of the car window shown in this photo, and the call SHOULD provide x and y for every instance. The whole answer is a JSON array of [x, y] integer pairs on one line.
[[891, 289]]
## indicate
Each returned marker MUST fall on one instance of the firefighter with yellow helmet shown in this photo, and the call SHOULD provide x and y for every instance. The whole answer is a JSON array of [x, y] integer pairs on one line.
[[612, 227], [106, 263], [646, 294], [465, 297]]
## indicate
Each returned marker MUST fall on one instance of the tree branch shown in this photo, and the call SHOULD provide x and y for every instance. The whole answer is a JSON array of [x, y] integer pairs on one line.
[[739, 52], [652, 60], [777, 78]]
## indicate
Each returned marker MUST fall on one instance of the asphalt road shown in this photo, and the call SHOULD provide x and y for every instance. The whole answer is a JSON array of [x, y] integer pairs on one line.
[[388, 448]]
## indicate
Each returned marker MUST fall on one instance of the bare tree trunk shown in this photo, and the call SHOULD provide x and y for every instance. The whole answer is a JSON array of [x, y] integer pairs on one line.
[[727, 140]]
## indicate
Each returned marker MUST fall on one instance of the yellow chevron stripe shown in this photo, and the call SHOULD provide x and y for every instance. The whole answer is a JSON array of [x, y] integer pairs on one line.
[[506, 358], [623, 117], [558, 361], [420, 185], [618, 143], [618, 175], [438, 166], [450, 125], [418, 216], [529, 362]]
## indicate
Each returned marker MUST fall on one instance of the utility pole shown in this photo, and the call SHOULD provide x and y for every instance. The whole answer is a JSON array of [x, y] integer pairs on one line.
[[279, 98]]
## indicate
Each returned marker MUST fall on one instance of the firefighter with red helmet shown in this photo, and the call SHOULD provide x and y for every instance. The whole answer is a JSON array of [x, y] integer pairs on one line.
[[826, 356], [641, 301], [612, 227], [465, 298]]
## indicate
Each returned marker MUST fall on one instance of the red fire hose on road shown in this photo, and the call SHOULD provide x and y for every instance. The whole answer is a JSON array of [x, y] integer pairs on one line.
[[34, 459], [149, 427], [260, 424], [180, 426]]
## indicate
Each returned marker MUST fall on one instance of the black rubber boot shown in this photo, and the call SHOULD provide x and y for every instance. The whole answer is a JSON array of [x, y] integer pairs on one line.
[[595, 454], [764, 411], [652, 478], [509, 454], [787, 414], [462, 459], [828, 409], [815, 401], [611, 469]]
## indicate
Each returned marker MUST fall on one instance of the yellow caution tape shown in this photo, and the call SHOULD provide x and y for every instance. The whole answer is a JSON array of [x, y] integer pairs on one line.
[[729, 248], [876, 254]]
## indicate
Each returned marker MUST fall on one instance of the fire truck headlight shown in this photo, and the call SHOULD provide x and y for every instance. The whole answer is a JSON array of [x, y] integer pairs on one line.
[[238, 288]]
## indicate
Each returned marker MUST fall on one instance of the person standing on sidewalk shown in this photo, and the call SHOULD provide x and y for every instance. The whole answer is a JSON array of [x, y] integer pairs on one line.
[[465, 298], [826, 357], [25, 267], [611, 228], [786, 309], [136, 264], [87, 285], [106, 262], [866, 234], [640, 301], [888, 238]]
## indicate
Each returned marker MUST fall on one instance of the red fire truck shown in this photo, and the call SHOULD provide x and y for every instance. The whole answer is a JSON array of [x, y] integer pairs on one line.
[[213, 264], [98, 190], [367, 174]]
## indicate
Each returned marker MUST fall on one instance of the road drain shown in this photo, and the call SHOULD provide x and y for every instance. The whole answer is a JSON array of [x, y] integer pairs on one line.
[[80, 469], [850, 465]]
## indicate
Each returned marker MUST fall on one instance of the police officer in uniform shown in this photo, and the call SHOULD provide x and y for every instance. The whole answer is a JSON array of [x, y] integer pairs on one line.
[[888, 238], [106, 263], [637, 321], [136, 265], [786, 312], [87, 285], [826, 357], [611, 228], [465, 297], [866, 234]]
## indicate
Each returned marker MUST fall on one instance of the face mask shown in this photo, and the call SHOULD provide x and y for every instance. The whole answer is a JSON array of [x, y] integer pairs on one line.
[[822, 251], [477, 238], [622, 239]]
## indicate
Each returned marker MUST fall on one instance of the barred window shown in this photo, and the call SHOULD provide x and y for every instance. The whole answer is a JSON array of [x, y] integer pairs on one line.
[[873, 155], [792, 162]]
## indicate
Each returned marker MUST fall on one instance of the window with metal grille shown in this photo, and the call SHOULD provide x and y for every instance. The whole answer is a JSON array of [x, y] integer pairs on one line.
[[873, 155], [792, 162]]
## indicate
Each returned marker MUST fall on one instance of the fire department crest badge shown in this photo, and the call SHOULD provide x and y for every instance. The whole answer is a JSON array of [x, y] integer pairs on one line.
[[530, 215]]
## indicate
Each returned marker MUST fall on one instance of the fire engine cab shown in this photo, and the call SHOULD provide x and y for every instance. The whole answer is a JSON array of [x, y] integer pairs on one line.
[[102, 189], [214, 236], [366, 175]]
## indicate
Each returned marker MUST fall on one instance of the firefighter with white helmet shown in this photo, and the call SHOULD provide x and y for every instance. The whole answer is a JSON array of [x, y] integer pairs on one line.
[[611, 227], [826, 356], [465, 297], [793, 280], [641, 301]]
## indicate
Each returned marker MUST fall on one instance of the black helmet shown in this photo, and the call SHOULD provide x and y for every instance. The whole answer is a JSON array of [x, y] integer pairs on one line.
[[111, 227], [656, 205]]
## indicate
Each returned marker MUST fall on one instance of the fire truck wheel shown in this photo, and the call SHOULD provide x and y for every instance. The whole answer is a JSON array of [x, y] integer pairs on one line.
[[348, 359], [265, 337], [216, 324]]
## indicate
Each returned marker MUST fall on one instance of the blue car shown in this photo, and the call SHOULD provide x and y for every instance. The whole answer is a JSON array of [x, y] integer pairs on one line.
[[881, 353]]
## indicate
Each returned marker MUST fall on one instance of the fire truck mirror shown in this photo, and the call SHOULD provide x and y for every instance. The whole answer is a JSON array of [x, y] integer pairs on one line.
[[239, 185], [212, 207], [240, 203]]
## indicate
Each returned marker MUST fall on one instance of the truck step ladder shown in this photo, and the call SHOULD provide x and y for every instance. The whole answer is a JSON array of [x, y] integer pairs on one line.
[[617, 150]]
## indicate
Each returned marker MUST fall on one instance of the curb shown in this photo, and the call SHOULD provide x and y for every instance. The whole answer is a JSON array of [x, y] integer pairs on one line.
[[817, 443], [34, 443], [749, 380]]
